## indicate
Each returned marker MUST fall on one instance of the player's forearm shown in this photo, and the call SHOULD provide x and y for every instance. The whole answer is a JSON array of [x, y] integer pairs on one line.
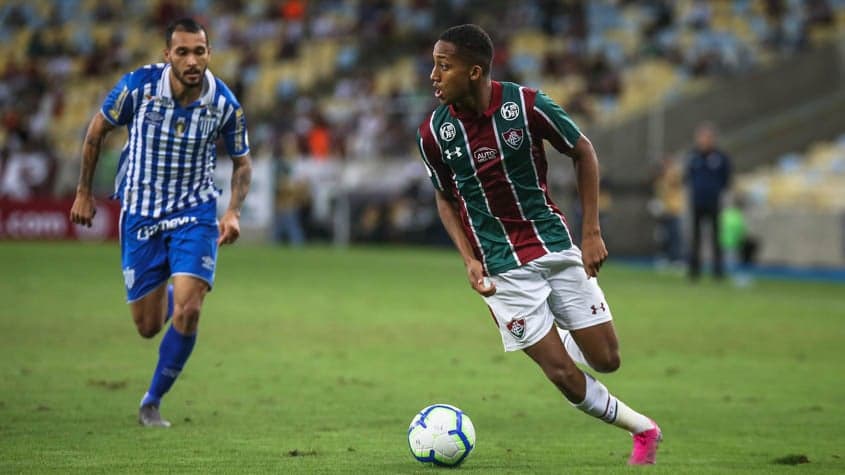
[[587, 176], [241, 179], [451, 220], [91, 147]]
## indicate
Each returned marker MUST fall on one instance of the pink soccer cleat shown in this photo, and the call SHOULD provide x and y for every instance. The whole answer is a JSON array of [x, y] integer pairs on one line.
[[645, 446]]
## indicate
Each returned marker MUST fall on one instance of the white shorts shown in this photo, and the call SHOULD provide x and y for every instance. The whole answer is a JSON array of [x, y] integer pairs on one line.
[[552, 289]]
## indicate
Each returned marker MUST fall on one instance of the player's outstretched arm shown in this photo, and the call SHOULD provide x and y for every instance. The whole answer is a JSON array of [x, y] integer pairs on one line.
[[230, 228], [83, 209], [593, 249], [451, 218]]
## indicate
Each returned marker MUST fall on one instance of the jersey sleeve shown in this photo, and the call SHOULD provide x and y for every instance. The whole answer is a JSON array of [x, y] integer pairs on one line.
[[554, 123], [235, 135], [438, 171], [119, 106]]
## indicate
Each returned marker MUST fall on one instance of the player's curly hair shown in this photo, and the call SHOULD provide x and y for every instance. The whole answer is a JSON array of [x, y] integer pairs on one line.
[[473, 44], [184, 24]]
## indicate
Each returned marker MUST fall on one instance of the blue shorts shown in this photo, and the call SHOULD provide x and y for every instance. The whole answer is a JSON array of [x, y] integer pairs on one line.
[[180, 243]]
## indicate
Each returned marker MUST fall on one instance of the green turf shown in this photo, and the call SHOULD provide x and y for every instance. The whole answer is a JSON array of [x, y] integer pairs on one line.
[[315, 361]]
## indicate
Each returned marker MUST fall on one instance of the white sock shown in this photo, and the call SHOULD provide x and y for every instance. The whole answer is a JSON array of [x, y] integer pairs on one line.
[[599, 403], [572, 347]]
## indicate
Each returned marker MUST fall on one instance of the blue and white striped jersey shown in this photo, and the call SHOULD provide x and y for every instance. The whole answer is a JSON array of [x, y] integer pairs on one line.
[[168, 161]]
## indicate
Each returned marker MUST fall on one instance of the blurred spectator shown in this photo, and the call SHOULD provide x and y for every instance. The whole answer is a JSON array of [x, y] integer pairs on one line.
[[667, 207], [319, 138], [708, 173], [732, 237], [291, 198]]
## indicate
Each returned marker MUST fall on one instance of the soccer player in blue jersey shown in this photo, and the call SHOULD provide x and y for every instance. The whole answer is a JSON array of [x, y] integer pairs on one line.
[[174, 113], [483, 149]]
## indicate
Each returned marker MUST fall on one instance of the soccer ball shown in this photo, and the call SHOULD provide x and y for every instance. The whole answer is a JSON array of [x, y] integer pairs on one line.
[[441, 434]]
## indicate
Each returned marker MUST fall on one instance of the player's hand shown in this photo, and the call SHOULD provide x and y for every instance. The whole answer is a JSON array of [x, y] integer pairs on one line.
[[230, 228], [83, 209], [593, 253], [477, 279]]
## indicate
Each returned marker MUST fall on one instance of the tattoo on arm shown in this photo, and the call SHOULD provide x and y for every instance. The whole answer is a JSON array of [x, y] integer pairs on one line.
[[97, 131], [241, 178]]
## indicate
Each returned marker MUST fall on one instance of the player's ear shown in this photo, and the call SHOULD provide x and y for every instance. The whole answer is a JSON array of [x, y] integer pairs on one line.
[[476, 73]]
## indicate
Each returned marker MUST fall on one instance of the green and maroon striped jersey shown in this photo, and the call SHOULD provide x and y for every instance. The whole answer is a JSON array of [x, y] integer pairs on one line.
[[495, 166]]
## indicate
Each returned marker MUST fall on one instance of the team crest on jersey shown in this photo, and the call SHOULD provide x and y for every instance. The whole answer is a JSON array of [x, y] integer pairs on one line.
[[129, 277], [181, 124], [207, 123], [510, 111], [517, 327], [448, 132], [513, 137]]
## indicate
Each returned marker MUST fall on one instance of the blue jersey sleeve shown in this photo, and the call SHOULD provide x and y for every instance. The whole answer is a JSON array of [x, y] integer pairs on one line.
[[119, 106], [235, 134]]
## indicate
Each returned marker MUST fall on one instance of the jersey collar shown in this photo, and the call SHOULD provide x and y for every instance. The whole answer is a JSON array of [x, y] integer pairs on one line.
[[495, 103], [209, 87]]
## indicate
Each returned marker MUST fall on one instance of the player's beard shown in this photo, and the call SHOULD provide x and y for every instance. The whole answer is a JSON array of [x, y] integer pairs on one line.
[[180, 76]]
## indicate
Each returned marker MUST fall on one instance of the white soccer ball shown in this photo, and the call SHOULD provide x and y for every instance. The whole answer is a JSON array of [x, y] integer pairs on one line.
[[441, 434]]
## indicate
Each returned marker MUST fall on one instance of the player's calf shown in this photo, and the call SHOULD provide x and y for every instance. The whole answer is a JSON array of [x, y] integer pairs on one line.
[[601, 355]]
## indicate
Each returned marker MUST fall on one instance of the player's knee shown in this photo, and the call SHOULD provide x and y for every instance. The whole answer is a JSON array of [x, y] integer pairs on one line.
[[607, 363], [189, 313], [148, 329]]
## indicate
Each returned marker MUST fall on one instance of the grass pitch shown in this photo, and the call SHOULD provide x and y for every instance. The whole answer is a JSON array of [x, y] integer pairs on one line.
[[315, 361]]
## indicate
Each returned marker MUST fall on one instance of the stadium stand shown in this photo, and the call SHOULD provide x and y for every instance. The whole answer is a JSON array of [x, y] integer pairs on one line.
[[332, 85]]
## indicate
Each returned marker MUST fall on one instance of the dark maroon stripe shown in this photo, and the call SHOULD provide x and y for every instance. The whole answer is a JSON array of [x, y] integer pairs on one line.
[[500, 195]]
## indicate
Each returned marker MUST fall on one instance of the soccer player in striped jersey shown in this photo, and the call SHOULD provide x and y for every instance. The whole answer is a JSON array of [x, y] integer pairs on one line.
[[174, 113], [483, 148]]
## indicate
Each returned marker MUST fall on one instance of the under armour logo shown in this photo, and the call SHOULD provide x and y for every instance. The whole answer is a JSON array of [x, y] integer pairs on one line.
[[456, 153], [595, 309]]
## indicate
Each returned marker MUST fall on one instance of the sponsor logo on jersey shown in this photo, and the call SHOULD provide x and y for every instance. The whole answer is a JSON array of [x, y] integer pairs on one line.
[[146, 232], [154, 117], [448, 132], [517, 327], [160, 101], [454, 153], [129, 277], [509, 111], [513, 137], [484, 154]]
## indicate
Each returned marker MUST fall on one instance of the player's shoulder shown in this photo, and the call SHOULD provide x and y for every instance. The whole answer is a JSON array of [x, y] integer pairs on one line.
[[145, 74], [433, 120], [517, 88], [223, 90]]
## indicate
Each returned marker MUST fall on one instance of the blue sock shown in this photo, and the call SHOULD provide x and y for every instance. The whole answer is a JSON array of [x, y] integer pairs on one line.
[[169, 303], [173, 352]]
